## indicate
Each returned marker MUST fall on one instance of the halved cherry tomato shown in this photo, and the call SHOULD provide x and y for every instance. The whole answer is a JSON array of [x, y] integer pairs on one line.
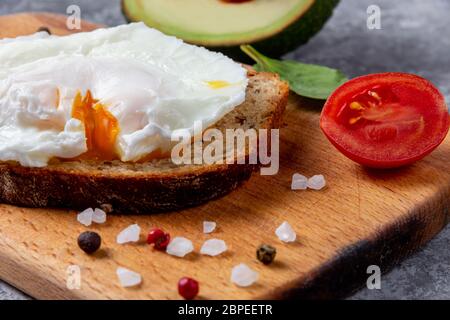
[[386, 120]]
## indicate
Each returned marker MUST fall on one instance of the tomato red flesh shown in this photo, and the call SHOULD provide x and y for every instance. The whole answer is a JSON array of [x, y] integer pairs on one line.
[[386, 120]]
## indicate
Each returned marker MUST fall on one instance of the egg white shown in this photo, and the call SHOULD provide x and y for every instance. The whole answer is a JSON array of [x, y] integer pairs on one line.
[[151, 83]]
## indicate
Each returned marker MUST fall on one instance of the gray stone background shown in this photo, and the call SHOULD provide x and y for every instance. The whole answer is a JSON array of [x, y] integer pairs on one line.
[[415, 37]]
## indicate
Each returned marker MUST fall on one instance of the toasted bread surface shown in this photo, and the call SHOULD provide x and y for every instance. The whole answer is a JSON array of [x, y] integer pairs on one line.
[[154, 186]]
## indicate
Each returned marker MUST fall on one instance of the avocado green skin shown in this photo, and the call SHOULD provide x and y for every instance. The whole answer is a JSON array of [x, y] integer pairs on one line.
[[293, 36]]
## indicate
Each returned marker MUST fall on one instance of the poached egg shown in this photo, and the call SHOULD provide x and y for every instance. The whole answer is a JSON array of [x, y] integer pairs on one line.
[[114, 93]]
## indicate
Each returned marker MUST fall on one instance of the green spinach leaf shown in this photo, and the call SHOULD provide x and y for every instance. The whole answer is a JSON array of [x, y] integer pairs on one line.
[[307, 80]]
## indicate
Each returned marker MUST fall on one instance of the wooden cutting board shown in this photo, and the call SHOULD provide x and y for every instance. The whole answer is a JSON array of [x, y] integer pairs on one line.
[[362, 218]]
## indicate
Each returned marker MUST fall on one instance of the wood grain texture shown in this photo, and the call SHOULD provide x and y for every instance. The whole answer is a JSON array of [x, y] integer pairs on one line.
[[363, 217]]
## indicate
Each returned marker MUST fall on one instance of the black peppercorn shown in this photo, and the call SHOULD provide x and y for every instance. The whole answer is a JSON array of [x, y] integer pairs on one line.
[[266, 253], [89, 241]]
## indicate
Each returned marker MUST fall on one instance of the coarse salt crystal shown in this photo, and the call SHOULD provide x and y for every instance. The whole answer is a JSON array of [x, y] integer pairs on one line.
[[243, 276], [129, 234], [180, 247], [285, 232], [299, 182], [209, 226], [213, 247], [85, 217], [128, 278], [317, 182], [99, 216]]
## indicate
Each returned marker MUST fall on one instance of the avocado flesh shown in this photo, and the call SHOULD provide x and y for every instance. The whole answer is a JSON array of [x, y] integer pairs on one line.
[[274, 27]]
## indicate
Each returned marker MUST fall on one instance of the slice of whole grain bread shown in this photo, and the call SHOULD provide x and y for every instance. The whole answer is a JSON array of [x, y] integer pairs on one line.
[[144, 188]]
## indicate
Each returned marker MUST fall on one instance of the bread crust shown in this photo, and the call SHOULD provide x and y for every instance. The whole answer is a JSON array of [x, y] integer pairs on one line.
[[146, 188]]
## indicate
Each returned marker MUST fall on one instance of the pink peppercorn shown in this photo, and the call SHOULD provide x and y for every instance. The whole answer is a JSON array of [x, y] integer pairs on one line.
[[188, 288], [158, 238]]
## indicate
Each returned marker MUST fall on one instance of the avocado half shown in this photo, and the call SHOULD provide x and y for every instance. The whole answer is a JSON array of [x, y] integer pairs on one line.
[[273, 27]]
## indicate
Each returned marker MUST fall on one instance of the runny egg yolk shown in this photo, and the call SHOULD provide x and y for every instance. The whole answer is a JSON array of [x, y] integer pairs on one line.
[[101, 127], [218, 84], [58, 98]]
